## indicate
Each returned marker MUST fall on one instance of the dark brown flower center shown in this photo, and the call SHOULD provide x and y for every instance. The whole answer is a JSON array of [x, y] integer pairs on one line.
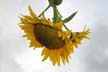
[[48, 36]]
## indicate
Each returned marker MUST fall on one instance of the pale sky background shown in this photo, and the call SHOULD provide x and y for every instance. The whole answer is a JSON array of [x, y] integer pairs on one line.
[[90, 56]]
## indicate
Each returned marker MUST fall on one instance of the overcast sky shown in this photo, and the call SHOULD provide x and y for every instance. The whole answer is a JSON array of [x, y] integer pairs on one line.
[[91, 56]]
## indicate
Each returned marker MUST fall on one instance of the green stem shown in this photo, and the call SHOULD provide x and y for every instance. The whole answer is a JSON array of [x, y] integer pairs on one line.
[[57, 16], [65, 26], [45, 10], [59, 13]]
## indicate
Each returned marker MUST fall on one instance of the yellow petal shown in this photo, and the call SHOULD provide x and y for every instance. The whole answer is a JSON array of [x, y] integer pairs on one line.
[[24, 21], [29, 19], [31, 12], [45, 57], [58, 60], [44, 16], [63, 59], [59, 34], [59, 25], [43, 51]]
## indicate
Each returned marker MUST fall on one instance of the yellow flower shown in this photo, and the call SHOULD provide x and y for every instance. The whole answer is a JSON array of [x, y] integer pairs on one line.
[[45, 34], [78, 36]]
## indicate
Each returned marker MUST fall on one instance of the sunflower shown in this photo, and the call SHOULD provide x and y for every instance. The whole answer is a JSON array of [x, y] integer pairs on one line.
[[43, 33]]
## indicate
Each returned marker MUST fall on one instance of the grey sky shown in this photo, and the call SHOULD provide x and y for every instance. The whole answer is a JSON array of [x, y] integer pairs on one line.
[[91, 56]]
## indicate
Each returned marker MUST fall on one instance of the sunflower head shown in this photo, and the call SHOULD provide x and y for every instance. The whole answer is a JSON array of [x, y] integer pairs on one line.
[[46, 34]]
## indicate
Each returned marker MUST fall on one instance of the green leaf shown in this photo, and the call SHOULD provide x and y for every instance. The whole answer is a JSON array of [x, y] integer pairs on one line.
[[70, 17]]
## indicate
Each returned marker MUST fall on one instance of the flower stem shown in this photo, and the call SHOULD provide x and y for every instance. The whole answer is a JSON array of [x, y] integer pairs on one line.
[[59, 13], [45, 10], [57, 16], [65, 26]]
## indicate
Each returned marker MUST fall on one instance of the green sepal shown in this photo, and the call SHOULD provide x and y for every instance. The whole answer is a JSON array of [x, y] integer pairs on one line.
[[70, 17], [54, 2], [51, 2], [57, 2]]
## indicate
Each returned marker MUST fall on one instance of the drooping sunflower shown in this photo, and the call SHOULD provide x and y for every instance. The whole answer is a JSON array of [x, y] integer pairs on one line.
[[43, 33]]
